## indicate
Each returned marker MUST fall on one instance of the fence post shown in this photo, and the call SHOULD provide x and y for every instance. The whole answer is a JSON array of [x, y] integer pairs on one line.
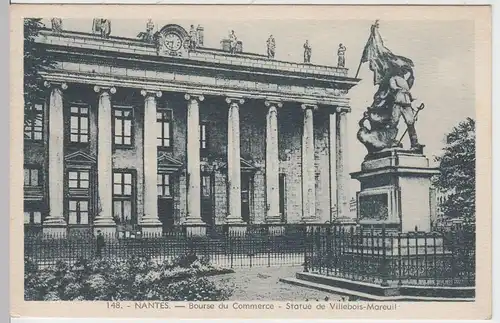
[[306, 247], [384, 258]]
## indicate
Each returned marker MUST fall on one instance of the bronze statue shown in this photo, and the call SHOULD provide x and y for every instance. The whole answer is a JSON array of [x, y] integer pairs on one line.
[[393, 99], [101, 27], [341, 56], [307, 52], [56, 25], [271, 47]]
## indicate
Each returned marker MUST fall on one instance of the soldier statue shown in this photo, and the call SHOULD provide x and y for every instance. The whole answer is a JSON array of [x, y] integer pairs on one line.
[[341, 56], [56, 25], [271, 47], [394, 76], [307, 52], [101, 27]]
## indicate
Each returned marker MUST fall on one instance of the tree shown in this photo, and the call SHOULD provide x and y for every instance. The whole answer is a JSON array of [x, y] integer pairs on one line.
[[35, 61], [457, 167]]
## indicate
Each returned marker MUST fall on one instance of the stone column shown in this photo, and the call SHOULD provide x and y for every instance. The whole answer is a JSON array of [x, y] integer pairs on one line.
[[272, 163], [150, 223], [55, 222], [104, 220], [342, 171], [332, 135], [234, 165], [194, 223], [308, 171]]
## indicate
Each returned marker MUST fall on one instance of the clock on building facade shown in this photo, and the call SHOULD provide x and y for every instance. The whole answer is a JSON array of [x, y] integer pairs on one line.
[[174, 41]]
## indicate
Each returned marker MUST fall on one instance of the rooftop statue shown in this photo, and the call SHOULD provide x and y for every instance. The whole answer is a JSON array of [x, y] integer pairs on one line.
[[271, 47], [56, 24], [341, 56], [307, 52], [193, 38], [148, 35], [233, 41], [101, 27], [393, 99], [199, 31]]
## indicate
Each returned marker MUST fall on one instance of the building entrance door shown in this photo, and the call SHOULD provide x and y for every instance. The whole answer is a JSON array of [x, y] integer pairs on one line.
[[166, 213], [246, 187], [207, 204]]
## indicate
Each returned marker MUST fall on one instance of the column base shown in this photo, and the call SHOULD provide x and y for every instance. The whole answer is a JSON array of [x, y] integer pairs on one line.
[[107, 230], [276, 229], [55, 229], [152, 228], [238, 229], [195, 227]]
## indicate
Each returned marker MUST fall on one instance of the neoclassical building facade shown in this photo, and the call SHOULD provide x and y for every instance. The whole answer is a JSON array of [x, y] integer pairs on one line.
[[156, 134]]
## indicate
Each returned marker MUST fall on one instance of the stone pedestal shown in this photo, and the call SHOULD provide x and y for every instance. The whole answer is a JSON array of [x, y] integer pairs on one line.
[[395, 191]]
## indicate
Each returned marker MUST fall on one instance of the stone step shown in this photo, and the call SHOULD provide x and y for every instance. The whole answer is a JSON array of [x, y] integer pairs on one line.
[[365, 296]]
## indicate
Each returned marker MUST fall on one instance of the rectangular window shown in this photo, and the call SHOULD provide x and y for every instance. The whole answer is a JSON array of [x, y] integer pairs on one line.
[[163, 185], [78, 212], [123, 129], [79, 124], [203, 136], [32, 176], [32, 217], [164, 128], [205, 186], [78, 179], [122, 196], [33, 123]]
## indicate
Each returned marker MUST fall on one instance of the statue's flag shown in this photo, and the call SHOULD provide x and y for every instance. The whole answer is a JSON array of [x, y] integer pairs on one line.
[[382, 61]]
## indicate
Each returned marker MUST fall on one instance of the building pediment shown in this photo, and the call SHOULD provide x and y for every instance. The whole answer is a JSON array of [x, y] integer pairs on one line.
[[80, 157], [168, 163]]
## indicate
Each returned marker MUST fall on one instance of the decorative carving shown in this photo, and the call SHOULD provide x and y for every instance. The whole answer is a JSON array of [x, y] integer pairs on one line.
[[101, 27], [191, 96], [341, 56], [307, 52], [193, 38], [231, 100], [48, 85], [158, 94], [271, 47], [99, 88], [56, 25], [271, 103], [200, 32]]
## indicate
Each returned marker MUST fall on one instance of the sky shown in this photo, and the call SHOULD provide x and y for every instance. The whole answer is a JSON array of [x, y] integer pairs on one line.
[[442, 51]]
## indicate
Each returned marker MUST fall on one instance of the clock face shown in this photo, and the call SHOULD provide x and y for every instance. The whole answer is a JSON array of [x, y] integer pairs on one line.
[[173, 41]]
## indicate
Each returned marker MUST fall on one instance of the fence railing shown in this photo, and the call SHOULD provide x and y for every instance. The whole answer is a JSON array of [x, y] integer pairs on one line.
[[260, 245], [390, 258], [379, 256]]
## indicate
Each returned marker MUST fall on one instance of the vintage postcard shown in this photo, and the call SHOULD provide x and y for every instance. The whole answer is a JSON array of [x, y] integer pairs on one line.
[[238, 161]]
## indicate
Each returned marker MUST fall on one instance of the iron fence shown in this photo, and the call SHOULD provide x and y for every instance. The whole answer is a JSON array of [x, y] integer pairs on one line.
[[259, 245], [390, 259]]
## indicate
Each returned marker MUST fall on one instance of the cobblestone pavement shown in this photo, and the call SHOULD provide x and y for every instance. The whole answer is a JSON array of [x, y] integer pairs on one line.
[[262, 284]]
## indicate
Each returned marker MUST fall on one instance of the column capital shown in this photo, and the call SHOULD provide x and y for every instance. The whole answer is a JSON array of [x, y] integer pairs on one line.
[[99, 89], [342, 109], [62, 85], [306, 106], [273, 103], [194, 96], [146, 93], [233, 100]]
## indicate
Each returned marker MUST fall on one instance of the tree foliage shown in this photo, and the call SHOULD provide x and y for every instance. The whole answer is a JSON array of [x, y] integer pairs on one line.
[[35, 61], [457, 167]]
